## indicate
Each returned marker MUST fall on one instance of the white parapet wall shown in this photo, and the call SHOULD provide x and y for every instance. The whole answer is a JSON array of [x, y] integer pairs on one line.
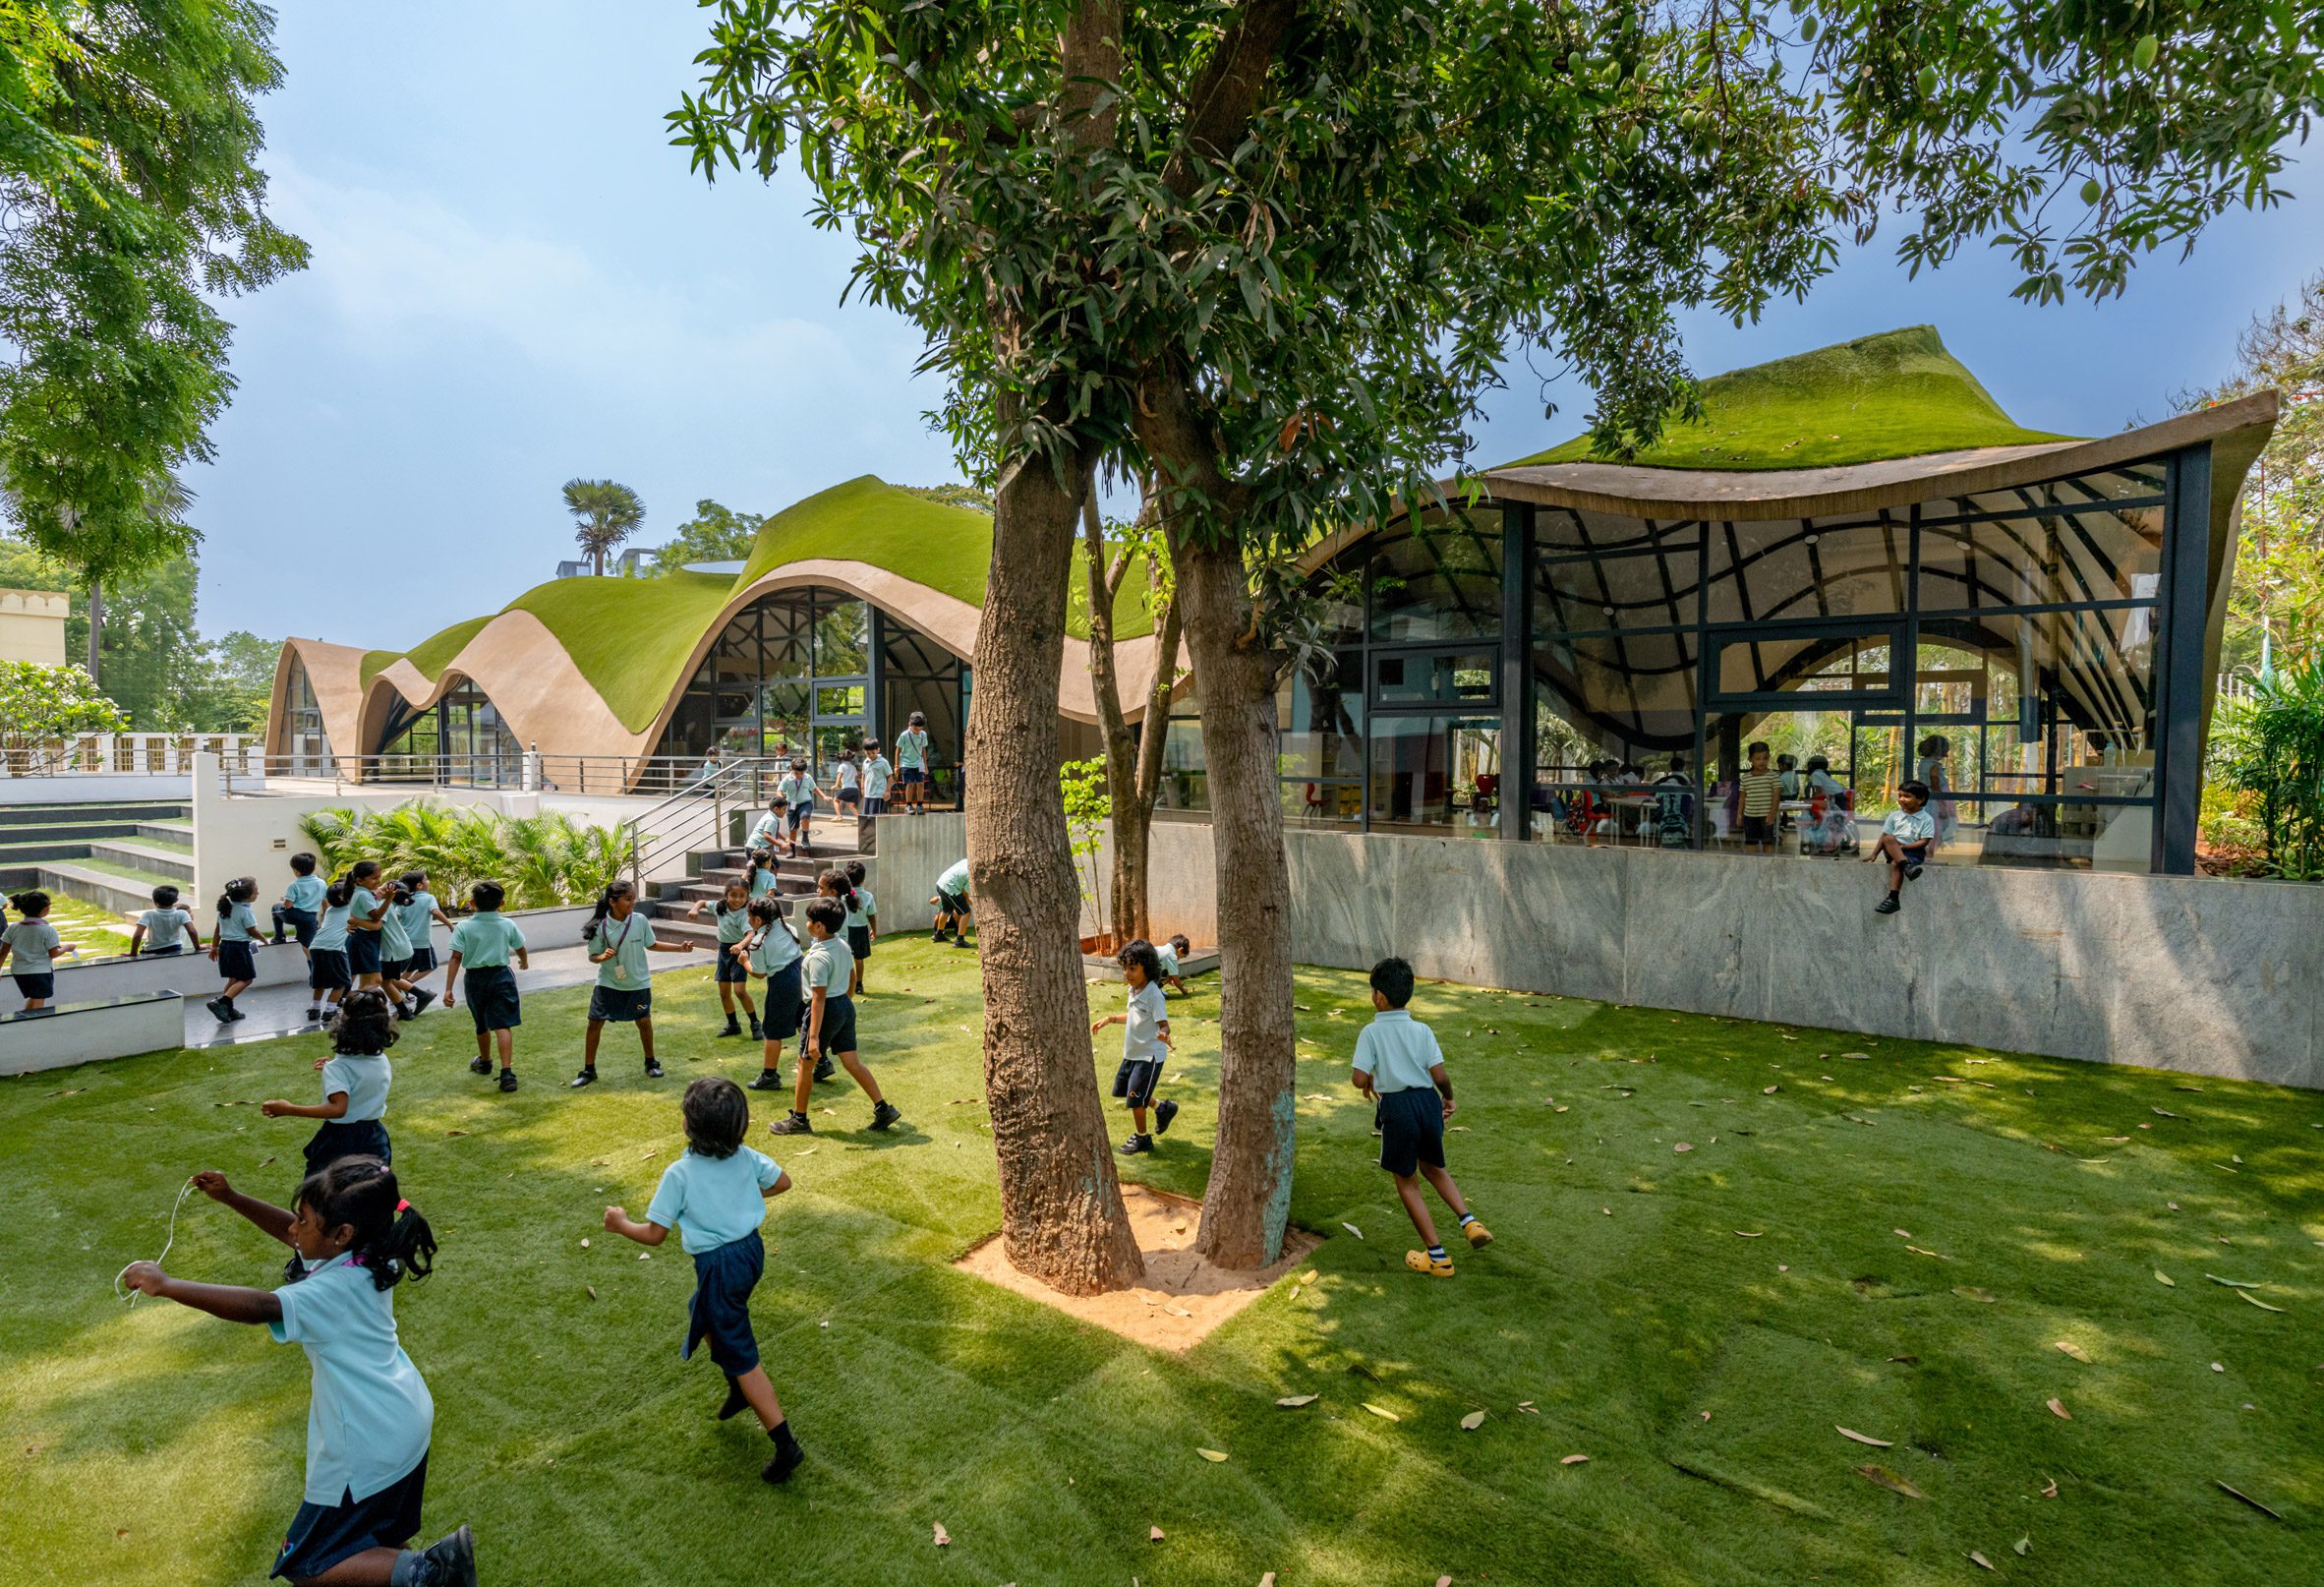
[[79, 1033]]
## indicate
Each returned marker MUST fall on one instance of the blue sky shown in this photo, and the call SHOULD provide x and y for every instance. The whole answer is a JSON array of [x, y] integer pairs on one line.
[[515, 281]]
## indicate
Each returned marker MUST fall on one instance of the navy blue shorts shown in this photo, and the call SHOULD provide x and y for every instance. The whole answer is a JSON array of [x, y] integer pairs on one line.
[[838, 1023], [719, 1312], [1412, 1130], [1915, 854], [363, 952], [394, 969], [1136, 1079], [620, 1007], [422, 960], [491, 990], [910, 777], [784, 1004], [41, 986], [342, 1138], [955, 905], [301, 921], [238, 962], [170, 951], [732, 967], [321, 1536], [326, 970]]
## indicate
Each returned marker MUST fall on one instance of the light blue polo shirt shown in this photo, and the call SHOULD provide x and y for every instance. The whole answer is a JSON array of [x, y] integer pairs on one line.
[[35, 943], [304, 893], [865, 907], [799, 788], [394, 941], [1141, 1032], [713, 1201], [1166, 957], [419, 918], [330, 932], [486, 940], [1397, 1051], [629, 939], [734, 924], [763, 829], [911, 749], [365, 1079], [1909, 827], [360, 907], [830, 966], [775, 952], [369, 1414], [762, 881], [238, 925], [954, 879], [163, 927], [876, 773]]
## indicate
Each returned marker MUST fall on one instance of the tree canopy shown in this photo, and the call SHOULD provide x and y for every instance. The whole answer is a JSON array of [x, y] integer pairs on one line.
[[606, 512], [717, 533]]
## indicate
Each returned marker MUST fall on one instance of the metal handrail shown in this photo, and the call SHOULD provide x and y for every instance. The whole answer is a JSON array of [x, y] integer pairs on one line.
[[725, 787]]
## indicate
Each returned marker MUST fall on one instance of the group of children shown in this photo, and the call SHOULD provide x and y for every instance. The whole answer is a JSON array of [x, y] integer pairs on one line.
[[362, 931]]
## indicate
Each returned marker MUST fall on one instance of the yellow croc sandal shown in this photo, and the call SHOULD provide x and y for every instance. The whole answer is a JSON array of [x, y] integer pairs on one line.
[[1478, 1235], [1420, 1262]]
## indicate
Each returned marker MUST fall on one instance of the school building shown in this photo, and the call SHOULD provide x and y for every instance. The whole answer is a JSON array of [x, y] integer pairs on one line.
[[1854, 555]]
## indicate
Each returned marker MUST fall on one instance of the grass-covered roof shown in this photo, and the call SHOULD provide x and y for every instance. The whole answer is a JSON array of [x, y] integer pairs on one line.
[[1897, 395]]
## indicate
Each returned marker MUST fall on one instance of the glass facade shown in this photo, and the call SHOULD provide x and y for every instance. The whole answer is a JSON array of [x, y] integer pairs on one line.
[[460, 739], [1572, 675], [305, 747]]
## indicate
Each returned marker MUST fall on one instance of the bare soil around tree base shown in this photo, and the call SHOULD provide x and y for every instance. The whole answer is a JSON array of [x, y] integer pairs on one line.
[[1185, 1297]]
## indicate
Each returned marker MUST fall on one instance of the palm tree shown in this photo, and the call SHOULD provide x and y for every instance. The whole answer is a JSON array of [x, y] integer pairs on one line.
[[607, 513]]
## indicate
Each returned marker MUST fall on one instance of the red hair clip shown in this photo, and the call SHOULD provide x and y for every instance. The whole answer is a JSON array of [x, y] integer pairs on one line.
[[403, 1206]]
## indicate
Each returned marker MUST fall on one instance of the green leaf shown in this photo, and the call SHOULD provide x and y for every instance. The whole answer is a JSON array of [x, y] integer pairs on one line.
[[2091, 193], [1929, 82], [2142, 54]]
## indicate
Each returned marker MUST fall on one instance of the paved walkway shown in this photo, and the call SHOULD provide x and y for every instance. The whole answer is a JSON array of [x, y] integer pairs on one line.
[[281, 1011]]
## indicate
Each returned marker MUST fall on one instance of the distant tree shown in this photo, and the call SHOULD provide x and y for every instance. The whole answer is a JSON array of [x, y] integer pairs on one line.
[[955, 495], [40, 703], [129, 200], [715, 534], [607, 513]]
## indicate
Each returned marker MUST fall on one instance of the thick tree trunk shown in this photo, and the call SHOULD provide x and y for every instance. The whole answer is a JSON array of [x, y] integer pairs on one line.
[[1247, 1204], [1063, 1220]]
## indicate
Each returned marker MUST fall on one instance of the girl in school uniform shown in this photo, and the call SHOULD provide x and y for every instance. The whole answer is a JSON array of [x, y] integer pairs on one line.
[[863, 923], [716, 1197], [353, 1239], [328, 973], [34, 945], [759, 873], [732, 975], [831, 1020], [771, 952], [366, 910], [235, 947], [355, 1082], [395, 951], [160, 927], [483, 943], [619, 938], [848, 797]]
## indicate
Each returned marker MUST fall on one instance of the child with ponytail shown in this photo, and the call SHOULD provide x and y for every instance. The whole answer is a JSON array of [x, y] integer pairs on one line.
[[732, 912], [234, 948], [863, 922], [328, 973], [770, 951], [619, 938], [355, 1082], [353, 1237]]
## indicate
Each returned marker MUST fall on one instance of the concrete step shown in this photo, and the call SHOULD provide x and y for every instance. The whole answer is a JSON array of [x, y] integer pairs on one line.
[[174, 863], [68, 814], [28, 840], [124, 895]]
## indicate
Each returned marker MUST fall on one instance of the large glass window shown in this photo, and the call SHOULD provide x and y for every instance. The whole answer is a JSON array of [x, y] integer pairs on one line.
[[305, 743], [792, 674], [461, 740]]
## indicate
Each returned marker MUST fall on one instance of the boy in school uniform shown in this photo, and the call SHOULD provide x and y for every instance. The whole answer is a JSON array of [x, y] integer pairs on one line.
[[483, 943], [878, 774], [1905, 837], [1145, 1046], [951, 903], [1400, 1067], [160, 927], [911, 764], [1168, 956], [301, 906]]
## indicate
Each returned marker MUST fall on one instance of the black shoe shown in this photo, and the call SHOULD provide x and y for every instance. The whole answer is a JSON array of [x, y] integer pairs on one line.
[[787, 1460], [824, 1069], [315, 1015], [737, 1402], [884, 1114], [734, 1027], [653, 1070], [757, 1031], [1912, 873], [233, 1013], [792, 1123], [480, 1066], [508, 1079], [1886, 905], [1136, 1144], [407, 1011], [449, 1562], [964, 942], [1162, 1117], [419, 1001], [766, 1080], [587, 1077], [223, 1010], [940, 936]]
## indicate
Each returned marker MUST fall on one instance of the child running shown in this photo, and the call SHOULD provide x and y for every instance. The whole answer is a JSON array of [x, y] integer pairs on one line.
[[769, 951], [876, 774], [732, 975], [353, 1237], [421, 915], [1145, 1043], [847, 796], [863, 923], [395, 951], [160, 927], [301, 908], [483, 943], [951, 903], [328, 973], [1400, 1069], [716, 1196], [619, 938], [234, 949], [355, 1082], [34, 945], [830, 1021]]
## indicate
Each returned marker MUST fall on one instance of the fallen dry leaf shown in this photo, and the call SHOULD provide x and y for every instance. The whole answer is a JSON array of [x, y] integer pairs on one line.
[[2165, 1280], [585, 1245], [1977, 1559], [1472, 1421], [1771, 1091], [2246, 1295], [1864, 1437], [1884, 1478], [2232, 1283], [1308, 1278], [1382, 1412], [942, 1538], [1291, 1402], [2049, 1488], [592, 1288], [448, 1133], [1575, 1460], [1214, 1457], [2021, 1546], [2074, 1350], [1972, 1293], [2058, 1410], [1749, 1234], [1684, 1146], [1351, 1230], [2249, 1500], [1153, 1533]]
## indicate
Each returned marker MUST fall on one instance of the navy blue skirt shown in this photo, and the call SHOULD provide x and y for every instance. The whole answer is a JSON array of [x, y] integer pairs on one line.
[[343, 1138], [719, 1312], [491, 990], [238, 962], [321, 1536], [363, 952], [785, 1004]]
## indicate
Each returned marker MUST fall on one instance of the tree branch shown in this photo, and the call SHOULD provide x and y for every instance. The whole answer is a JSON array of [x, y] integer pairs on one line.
[[1227, 93]]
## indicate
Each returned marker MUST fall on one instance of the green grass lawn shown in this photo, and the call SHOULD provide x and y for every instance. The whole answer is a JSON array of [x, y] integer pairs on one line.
[[100, 932], [1850, 1241]]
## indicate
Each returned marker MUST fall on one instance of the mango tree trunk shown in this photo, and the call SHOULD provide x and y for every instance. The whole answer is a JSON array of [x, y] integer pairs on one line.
[[1062, 1218]]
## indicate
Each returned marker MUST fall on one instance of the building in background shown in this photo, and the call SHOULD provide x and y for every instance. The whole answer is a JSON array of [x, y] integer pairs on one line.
[[32, 626]]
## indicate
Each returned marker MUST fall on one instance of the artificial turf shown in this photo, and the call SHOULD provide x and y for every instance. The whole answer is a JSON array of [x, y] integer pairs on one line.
[[1897, 395], [1853, 1240]]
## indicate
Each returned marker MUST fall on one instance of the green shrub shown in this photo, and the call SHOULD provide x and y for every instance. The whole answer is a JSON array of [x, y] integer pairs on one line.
[[2273, 748], [541, 860]]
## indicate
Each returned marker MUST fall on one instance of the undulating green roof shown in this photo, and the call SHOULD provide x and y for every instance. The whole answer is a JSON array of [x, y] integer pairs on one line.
[[1897, 395]]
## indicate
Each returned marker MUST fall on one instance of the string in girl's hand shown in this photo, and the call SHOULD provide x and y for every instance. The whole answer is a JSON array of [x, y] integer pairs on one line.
[[134, 1296]]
